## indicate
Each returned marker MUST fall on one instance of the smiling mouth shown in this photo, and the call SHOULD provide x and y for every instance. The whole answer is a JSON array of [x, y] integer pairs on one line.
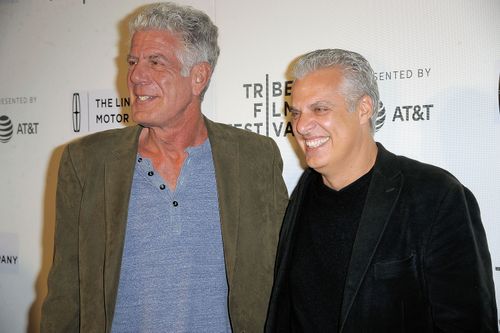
[[143, 98], [315, 143]]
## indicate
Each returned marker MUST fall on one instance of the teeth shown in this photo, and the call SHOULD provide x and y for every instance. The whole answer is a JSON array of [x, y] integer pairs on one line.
[[143, 98], [316, 142]]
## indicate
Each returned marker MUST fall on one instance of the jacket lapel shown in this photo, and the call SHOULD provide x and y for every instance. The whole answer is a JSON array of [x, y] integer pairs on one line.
[[118, 175], [382, 196], [287, 233], [225, 153]]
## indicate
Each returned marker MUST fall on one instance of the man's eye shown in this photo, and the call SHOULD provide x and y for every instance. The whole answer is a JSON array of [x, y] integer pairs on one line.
[[131, 62], [156, 62]]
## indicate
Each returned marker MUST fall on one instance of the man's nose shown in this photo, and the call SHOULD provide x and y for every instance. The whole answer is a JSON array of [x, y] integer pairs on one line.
[[138, 73], [304, 123]]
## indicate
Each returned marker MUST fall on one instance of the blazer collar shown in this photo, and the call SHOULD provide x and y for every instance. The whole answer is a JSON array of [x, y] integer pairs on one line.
[[118, 174], [225, 153], [383, 193]]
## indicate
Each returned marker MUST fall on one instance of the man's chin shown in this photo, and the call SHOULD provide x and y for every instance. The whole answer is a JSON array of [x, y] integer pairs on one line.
[[314, 164], [140, 116]]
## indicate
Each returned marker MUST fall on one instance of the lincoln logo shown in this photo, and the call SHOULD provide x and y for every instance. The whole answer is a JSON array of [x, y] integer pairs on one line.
[[76, 112]]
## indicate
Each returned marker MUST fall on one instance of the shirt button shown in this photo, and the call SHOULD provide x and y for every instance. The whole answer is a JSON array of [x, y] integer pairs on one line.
[[139, 159], [175, 203], [162, 186], [150, 173]]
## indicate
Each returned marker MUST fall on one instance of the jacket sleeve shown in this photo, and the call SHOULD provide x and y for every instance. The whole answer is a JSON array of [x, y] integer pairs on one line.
[[458, 267], [60, 311]]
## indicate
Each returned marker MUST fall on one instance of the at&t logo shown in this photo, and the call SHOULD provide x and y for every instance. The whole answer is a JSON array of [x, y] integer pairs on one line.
[[380, 116], [6, 129]]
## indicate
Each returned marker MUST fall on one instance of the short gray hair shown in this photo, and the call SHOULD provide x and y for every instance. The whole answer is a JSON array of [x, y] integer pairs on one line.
[[194, 27], [358, 74]]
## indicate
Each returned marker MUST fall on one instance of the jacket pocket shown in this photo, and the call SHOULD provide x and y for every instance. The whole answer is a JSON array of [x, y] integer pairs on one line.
[[395, 269]]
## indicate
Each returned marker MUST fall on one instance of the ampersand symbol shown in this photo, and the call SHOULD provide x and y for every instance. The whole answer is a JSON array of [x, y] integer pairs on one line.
[[418, 114]]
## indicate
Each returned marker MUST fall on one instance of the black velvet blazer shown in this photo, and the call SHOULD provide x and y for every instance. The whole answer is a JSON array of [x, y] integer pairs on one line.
[[420, 260]]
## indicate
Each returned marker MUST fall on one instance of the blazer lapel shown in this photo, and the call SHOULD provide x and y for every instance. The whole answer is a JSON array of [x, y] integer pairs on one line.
[[382, 196], [288, 231], [225, 153], [118, 175]]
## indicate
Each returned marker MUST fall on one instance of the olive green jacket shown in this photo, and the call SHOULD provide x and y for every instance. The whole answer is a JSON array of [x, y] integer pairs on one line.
[[95, 178]]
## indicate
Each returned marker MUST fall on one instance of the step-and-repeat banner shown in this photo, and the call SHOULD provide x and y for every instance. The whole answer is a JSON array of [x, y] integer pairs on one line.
[[63, 75]]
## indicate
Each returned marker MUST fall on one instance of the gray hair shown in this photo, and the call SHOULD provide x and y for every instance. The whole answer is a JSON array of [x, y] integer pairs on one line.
[[358, 74], [194, 27]]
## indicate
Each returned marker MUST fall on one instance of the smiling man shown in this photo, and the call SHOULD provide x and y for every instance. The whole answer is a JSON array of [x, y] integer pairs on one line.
[[371, 241], [170, 225]]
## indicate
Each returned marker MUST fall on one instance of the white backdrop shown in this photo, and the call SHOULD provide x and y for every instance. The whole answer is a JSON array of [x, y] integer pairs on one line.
[[437, 63]]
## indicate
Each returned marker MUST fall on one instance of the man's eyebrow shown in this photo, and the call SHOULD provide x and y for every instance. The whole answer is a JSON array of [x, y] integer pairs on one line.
[[321, 103], [150, 57], [157, 56]]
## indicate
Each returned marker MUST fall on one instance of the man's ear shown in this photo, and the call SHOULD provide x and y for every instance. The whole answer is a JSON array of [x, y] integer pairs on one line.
[[200, 76], [365, 109]]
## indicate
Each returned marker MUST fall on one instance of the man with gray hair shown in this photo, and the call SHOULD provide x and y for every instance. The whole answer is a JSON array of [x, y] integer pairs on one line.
[[170, 225], [371, 241]]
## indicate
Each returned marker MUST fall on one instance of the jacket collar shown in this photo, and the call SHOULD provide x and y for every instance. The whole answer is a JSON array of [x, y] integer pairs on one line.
[[118, 174], [383, 193], [225, 153]]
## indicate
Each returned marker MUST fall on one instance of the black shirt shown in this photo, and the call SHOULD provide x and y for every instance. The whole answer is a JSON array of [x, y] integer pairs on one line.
[[327, 226]]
